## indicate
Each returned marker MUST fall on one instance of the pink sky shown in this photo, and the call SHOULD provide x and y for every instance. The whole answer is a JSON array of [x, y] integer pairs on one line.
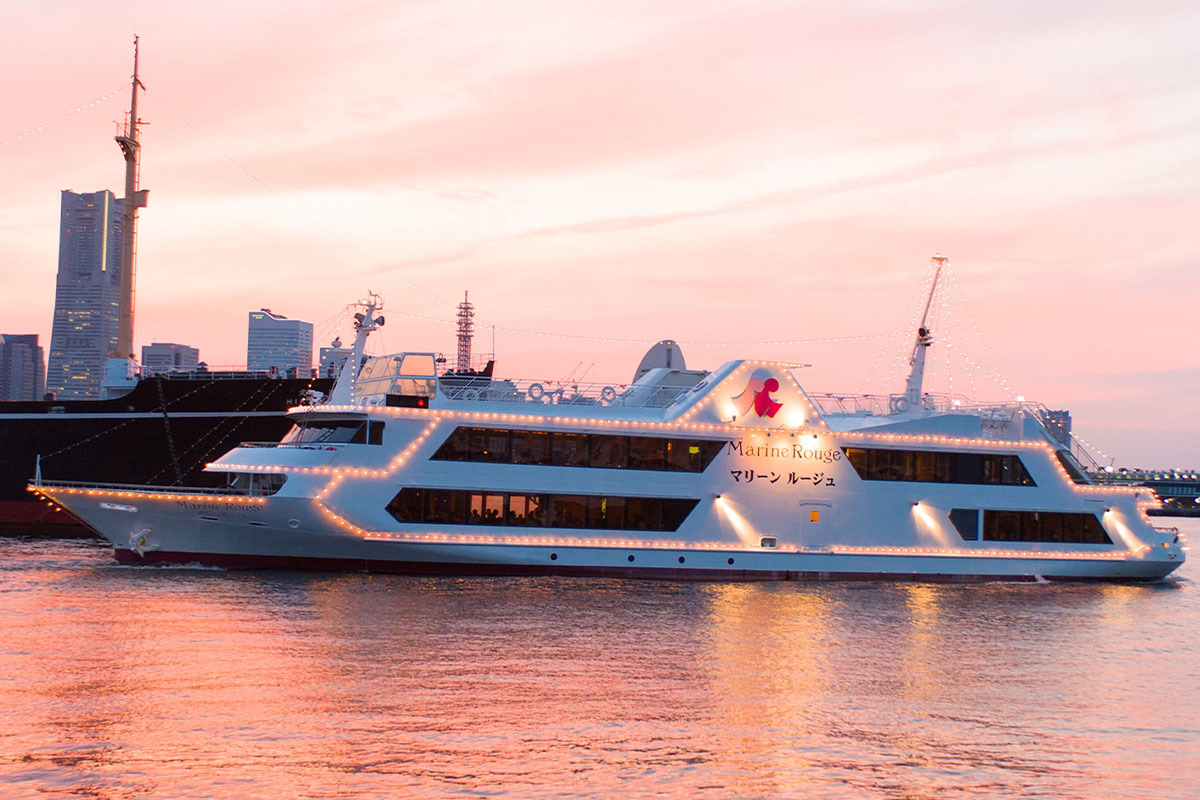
[[695, 170]]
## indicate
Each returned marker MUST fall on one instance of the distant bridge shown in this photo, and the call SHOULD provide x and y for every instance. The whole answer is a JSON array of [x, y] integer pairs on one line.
[[1177, 490]]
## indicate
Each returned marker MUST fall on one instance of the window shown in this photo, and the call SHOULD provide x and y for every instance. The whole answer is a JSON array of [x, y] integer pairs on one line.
[[374, 432], [934, 466], [477, 507], [488, 444], [528, 447], [328, 431], [568, 449], [966, 522], [1032, 526], [601, 451], [1071, 466], [647, 453], [609, 452], [255, 483]]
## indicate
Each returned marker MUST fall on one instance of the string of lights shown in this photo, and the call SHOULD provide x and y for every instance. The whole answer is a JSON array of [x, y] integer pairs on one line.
[[66, 115], [298, 209], [633, 340]]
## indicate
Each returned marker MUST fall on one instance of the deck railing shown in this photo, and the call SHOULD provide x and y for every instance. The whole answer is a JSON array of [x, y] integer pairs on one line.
[[573, 393]]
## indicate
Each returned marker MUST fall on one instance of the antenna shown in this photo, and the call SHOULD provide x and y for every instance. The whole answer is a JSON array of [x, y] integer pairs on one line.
[[466, 330], [912, 390]]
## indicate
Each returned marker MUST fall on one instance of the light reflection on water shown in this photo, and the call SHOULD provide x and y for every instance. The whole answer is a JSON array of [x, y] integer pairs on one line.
[[120, 682]]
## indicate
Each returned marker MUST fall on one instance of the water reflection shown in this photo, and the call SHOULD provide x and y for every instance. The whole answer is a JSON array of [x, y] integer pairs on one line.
[[116, 682]]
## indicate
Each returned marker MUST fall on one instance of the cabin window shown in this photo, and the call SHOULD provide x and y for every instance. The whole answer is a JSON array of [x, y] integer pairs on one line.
[[966, 522], [328, 431], [569, 449], [603, 451], [568, 511], [1038, 526], [935, 466], [1071, 466], [488, 445], [486, 509], [609, 452], [529, 447], [256, 483], [647, 453], [457, 446], [598, 512]]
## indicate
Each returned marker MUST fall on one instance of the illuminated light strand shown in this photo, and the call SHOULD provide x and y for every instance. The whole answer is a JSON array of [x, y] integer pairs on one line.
[[1112, 555], [630, 340], [396, 463], [71, 113], [146, 494], [573, 541], [296, 207], [848, 437]]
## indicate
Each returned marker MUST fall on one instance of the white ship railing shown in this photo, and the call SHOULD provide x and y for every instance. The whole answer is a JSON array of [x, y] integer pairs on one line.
[[571, 393], [881, 405]]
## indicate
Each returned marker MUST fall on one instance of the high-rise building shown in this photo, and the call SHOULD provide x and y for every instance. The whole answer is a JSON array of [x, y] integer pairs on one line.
[[87, 295], [1058, 423], [279, 344], [169, 357], [22, 367], [332, 359]]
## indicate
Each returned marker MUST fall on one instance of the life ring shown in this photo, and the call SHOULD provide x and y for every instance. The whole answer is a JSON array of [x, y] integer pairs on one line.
[[536, 392], [899, 405], [471, 394], [608, 394]]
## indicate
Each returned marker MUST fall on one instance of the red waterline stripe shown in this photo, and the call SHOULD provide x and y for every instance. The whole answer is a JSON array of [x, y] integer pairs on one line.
[[242, 561]]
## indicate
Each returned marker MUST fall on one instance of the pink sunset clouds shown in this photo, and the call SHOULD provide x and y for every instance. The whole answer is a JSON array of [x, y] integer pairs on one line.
[[701, 171]]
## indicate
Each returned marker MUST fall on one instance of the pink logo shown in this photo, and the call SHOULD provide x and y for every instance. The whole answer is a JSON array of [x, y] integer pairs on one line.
[[757, 395]]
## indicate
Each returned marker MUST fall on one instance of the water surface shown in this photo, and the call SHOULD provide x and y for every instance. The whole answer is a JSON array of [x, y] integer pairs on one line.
[[119, 682]]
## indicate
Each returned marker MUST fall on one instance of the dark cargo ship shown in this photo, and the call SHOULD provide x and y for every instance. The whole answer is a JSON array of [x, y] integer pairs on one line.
[[163, 432]]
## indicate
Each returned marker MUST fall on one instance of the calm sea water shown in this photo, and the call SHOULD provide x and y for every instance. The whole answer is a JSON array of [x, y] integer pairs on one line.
[[121, 682]]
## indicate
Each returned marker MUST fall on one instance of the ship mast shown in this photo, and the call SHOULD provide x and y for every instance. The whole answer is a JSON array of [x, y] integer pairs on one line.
[[912, 391], [121, 372], [135, 198]]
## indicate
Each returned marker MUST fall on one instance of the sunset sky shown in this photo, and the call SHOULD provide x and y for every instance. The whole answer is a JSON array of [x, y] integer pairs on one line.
[[703, 171]]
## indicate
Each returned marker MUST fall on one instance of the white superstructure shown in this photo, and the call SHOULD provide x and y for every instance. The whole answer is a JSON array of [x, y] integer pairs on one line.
[[734, 474]]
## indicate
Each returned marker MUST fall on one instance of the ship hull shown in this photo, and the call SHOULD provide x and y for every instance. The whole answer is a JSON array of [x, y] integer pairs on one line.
[[827, 569], [146, 530]]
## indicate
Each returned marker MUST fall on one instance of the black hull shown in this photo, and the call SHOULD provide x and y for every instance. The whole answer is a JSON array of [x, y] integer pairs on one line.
[[130, 440]]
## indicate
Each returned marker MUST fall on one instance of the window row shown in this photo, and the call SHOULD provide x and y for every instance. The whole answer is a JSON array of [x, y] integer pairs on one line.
[[1029, 526], [500, 446], [452, 507], [934, 466], [336, 431]]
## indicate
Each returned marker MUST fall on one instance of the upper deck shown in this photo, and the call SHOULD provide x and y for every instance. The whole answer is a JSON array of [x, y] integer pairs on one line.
[[739, 394]]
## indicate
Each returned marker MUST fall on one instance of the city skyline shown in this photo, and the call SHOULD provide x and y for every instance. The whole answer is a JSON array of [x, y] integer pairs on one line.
[[772, 172]]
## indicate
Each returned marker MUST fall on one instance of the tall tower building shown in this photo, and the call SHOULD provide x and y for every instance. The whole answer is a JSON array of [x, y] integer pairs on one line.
[[87, 296], [22, 367], [278, 343]]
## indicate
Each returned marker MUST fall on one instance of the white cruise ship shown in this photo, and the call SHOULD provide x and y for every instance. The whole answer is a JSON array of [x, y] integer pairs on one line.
[[731, 474]]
